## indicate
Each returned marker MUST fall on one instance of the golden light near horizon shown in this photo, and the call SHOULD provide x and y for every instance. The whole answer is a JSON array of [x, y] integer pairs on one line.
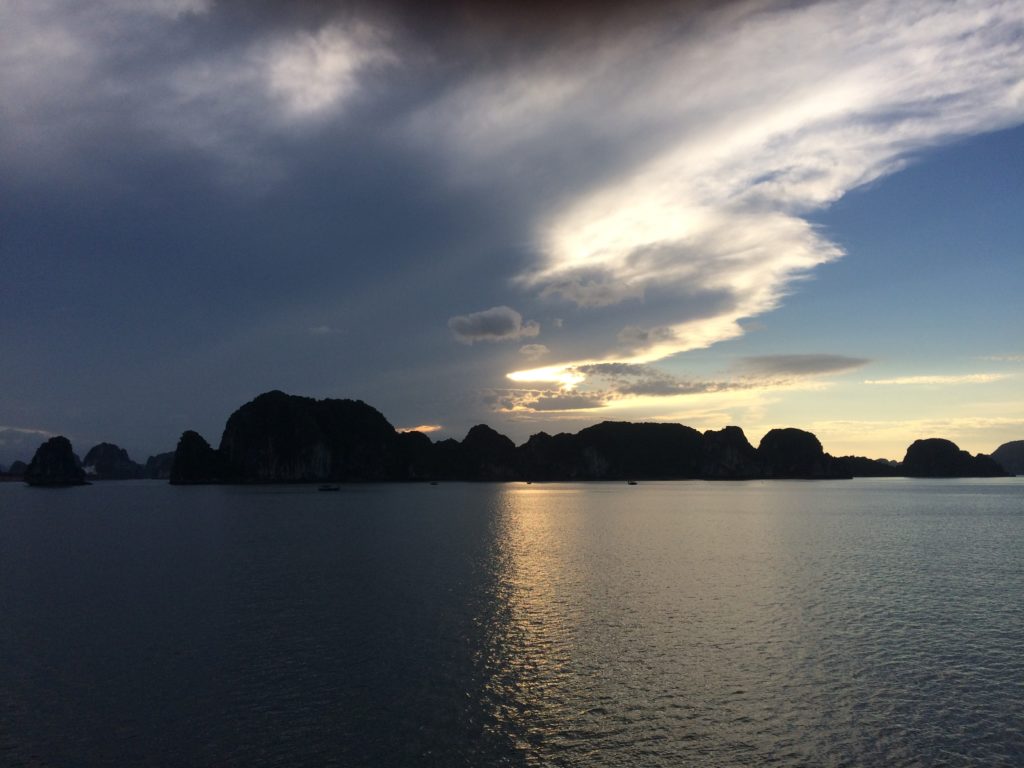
[[563, 375], [425, 428]]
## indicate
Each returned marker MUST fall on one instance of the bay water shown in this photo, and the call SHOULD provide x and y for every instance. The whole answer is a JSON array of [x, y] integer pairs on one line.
[[827, 623]]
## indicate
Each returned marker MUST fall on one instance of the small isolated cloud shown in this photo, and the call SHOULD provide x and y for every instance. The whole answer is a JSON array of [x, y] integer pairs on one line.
[[799, 365], [324, 330], [970, 378], [494, 324], [533, 351], [425, 428]]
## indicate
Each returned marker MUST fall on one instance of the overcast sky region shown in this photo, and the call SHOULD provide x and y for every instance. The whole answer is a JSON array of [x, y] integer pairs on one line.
[[755, 213]]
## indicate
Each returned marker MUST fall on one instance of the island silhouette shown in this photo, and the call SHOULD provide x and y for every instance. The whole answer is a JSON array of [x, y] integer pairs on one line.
[[282, 438]]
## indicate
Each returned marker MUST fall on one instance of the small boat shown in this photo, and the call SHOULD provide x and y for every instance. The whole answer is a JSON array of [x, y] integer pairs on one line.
[[328, 487], [433, 482], [631, 482]]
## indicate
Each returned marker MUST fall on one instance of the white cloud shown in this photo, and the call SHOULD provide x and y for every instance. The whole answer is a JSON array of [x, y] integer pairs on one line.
[[970, 378], [494, 324], [724, 139], [312, 74]]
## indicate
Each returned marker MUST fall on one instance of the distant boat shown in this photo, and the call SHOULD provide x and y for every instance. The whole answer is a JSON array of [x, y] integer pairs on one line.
[[631, 482], [433, 482], [329, 488]]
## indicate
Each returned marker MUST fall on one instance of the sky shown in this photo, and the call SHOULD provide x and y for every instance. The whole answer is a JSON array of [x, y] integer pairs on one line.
[[757, 213]]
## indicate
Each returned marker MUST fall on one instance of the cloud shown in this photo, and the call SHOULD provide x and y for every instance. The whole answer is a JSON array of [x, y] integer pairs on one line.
[[193, 77], [618, 380], [592, 291], [708, 171], [970, 378], [799, 365], [325, 330], [544, 401], [626, 379], [494, 324], [311, 73], [533, 351]]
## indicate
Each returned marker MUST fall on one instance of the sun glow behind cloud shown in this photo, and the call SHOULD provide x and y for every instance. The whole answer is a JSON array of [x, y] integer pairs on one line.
[[763, 136]]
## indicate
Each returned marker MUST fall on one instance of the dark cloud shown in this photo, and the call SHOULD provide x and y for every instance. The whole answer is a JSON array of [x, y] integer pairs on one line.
[[494, 324], [593, 291], [544, 400], [565, 402], [624, 379]]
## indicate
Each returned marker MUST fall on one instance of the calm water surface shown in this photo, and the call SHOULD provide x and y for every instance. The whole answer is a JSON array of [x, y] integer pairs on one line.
[[875, 623]]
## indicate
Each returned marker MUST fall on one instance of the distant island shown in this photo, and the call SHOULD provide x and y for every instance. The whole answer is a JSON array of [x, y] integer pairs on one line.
[[282, 438]]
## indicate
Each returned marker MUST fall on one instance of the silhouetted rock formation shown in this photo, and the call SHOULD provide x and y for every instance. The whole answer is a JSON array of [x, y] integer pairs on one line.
[[488, 455], [195, 461], [793, 453], [859, 466], [618, 450], [285, 438], [547, 457], [726, 454], [1010, 456], [279, 438], [159, 467], [17, 469], [55, 464], [106, 461], [936, 457]]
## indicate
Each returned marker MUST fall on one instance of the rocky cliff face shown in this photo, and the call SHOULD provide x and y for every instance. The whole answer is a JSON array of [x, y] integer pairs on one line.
[[859, 466], [617, 450], [159, 467], [936, 457], [195, 461], [489, 455], [1010, 456], [55, 464], [726, 454], [108, 462], [284, 438], [17, 469], [794, 453]]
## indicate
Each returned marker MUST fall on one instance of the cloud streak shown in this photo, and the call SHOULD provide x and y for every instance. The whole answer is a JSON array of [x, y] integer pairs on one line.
[[799, 365], [970, 378]]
